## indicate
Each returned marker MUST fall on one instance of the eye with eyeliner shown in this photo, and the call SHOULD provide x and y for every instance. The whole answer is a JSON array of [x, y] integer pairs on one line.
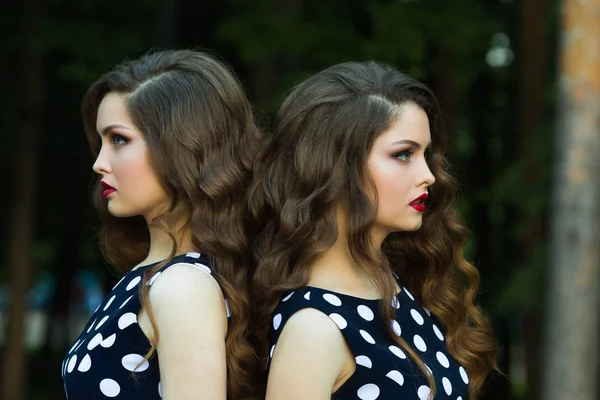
[[118, 140], [403, 155]]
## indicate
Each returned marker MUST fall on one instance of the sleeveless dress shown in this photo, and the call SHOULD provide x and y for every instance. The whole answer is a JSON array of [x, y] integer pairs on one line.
[[383, 370], [100, 364]]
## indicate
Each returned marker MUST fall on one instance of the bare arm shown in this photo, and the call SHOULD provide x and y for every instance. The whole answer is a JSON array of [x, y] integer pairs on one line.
[[189, 310], [311, 359]]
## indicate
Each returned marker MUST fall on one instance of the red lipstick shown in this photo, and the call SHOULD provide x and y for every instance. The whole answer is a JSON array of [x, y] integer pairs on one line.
[[419, 203], [107, 189]]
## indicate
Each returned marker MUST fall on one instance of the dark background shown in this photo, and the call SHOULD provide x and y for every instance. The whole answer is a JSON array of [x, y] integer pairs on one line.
[[492, 63]]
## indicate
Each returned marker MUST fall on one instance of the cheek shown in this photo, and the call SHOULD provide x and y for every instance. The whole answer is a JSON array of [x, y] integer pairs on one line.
[[390, 184], [135, 171]]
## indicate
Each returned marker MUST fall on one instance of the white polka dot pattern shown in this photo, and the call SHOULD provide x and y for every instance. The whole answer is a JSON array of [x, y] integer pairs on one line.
[[109, 302], [447, 386], [277, 321], [110, 388], [339, 320], [396, 376], [126, 320], [423, 392], [442, 359], [396, 327], [364, 361], [438, 333], [365, 312], [417, 317], [85, 364], [383, 369], [367, 336], [96, 340], [286, 298], [100, 363], [134, 362], [109, 341], [332, 299], [125, 302], [72, 363], [102, 321], [397, 351], [154, 278], [419, 343], [133, 282], [368, 392], [203, 267]]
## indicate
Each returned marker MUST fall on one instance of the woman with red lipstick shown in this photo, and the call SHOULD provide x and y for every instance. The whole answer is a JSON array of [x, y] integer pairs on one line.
[[174, 139], [364, 290]]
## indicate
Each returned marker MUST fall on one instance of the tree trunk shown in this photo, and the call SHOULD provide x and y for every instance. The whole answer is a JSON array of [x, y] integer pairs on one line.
[[480, 95], [23, 207], [574, 288], [531, 72], [57, 336]]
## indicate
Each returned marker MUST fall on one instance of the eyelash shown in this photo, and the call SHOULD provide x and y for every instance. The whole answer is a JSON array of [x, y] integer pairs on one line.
[[409, 153], [123, 140], [402, 153]]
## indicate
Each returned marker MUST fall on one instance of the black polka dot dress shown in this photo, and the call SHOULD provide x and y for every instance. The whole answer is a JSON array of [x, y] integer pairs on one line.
[[383, 370], [100, 364]]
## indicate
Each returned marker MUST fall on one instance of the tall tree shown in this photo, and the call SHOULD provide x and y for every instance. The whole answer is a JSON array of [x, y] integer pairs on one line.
[[574, 289], [23, 207], [531, 73]]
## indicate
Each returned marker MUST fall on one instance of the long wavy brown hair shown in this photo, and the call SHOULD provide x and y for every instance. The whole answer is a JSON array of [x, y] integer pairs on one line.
[[316, 160], [202, 140]]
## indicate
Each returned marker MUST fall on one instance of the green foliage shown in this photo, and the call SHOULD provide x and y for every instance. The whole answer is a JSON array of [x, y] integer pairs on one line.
[[526, 286]]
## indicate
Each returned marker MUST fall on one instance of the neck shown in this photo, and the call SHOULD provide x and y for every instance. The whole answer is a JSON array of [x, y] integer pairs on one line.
[[336, 269], [161, 245]]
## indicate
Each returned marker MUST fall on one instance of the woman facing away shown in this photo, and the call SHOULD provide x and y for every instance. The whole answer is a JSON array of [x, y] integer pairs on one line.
[[364, 289], [174, 139]]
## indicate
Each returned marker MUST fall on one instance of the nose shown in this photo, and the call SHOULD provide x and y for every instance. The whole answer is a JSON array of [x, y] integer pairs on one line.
[[101, 165], [427, 179]]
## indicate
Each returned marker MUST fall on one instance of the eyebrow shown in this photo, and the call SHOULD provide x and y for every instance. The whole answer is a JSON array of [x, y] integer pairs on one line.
[[411, 142], [110, 128]]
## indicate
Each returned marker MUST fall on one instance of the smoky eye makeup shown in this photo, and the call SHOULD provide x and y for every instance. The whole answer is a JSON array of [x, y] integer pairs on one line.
[[117, 139], [403, 155]]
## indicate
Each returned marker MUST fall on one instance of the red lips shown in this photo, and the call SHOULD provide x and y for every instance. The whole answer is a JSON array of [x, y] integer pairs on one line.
[[108, 190], [419, 203]]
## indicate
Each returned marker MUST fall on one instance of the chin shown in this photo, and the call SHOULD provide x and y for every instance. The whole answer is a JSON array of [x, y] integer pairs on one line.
[[408, 227], [119, 212]]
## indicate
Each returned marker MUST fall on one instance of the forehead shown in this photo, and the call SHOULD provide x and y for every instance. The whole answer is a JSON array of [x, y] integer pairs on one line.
[[412, 123], [113, 110]]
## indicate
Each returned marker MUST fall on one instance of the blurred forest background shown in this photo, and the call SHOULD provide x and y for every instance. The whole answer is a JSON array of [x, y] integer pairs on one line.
[[494, 64]]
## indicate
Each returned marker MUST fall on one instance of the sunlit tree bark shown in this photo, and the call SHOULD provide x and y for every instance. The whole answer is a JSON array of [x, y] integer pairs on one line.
[[571, 347]]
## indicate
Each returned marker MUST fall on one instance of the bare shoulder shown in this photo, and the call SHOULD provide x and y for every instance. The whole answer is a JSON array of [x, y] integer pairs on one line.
[[193, 292], [182, 278], [311, 324], [190, 314], [309, 358]]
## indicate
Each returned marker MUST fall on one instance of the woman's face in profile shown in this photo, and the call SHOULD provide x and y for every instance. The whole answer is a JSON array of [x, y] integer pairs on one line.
[[129, 183], [398, 166]]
